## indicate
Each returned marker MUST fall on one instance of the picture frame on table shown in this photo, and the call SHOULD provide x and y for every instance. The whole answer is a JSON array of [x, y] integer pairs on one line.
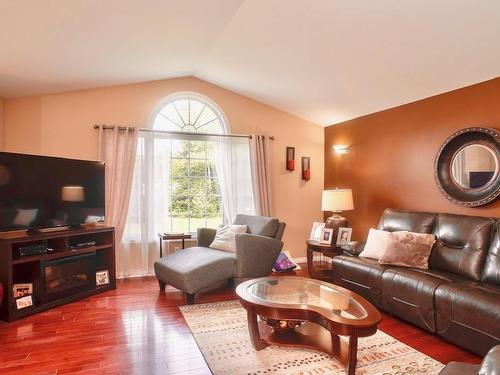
[[344, 236], [24, 302], [102, 277], [21, 290], [326, 236], [316, 231]]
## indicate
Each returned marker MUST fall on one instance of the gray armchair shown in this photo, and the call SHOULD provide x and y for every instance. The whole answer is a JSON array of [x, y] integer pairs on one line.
[[202, 268]]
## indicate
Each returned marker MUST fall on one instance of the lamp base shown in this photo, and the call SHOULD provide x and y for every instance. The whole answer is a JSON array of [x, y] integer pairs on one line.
[[335, 222]]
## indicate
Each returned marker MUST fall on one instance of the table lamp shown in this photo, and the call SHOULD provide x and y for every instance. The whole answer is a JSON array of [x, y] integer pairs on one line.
[[72, 194], [336, 200]]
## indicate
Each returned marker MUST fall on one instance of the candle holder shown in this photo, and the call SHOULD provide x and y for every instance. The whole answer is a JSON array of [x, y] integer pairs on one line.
[[306, 168], [290, 159]]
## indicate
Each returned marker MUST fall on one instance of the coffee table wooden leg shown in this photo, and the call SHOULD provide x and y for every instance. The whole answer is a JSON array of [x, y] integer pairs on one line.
[[353, 350], [253, 329], [335, 343], [310, 261]]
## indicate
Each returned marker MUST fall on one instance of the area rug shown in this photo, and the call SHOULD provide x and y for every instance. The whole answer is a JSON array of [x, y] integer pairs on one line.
[[220, 330]]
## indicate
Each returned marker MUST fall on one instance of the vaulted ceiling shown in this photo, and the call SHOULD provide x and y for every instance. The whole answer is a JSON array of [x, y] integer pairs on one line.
[[324, 60]]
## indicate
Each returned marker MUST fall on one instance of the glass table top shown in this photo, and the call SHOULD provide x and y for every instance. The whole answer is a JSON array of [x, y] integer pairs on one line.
[[298, 291]]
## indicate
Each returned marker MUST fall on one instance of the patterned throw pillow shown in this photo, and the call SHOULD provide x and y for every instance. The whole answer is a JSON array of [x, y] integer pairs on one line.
[[408, 249]]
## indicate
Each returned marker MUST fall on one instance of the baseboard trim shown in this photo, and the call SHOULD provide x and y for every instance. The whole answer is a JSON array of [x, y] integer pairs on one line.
[[301, 260], [316, 258]]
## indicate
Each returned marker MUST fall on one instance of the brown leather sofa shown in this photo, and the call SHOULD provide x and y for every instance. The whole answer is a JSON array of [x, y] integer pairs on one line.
[[489, 366], [457, 298]]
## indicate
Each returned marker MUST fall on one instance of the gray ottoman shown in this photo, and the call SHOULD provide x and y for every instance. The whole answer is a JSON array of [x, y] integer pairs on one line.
[[195, 269]]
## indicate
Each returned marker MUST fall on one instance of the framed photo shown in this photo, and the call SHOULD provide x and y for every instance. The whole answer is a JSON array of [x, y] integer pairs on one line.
[[24, 302], [316, 231], [21, 290], [102, 277], [344, 236], [326, 236]]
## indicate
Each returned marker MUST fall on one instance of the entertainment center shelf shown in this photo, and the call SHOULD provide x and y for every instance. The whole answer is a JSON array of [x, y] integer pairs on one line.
[[59, 254], [81, 263]]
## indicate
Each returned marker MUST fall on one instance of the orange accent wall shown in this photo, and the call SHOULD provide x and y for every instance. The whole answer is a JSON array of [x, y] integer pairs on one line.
[[62, 125], [390, 162]]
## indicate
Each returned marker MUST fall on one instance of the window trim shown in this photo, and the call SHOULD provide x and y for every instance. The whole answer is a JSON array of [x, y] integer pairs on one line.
[[184, 95]]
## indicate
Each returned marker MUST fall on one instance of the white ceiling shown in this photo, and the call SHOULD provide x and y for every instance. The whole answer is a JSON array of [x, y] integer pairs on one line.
[[324, 60]]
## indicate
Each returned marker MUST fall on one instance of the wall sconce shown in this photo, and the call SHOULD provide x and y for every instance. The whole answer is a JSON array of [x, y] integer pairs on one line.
[[341, 149], [306, 168], [290, 159]]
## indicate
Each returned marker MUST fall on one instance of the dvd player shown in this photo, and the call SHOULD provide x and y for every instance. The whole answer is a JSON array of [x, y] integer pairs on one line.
[[32, 250]]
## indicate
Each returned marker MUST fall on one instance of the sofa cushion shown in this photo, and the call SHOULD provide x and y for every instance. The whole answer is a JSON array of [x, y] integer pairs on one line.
[[393, 220], [361, 275], [409, 293], [468, 314], [462, 243], [196, 268], [261, 225], [491, 271]]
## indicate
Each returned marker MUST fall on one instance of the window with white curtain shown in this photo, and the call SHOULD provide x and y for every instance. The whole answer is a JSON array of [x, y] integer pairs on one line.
[[186, 176], [194, 191]]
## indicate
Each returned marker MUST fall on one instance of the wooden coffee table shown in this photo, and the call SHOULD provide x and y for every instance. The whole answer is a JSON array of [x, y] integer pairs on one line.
[[309, 313]]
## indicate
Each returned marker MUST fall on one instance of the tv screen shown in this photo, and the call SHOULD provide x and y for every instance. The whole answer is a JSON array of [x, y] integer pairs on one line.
[[42, 191]]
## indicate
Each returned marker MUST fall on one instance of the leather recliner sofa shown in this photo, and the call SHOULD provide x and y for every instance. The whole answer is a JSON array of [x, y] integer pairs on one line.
[[489, 366], [458, 297]]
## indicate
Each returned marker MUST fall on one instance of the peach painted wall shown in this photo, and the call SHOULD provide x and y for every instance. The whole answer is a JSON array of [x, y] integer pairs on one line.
[[390, 162], [61, 125], [2, 136]]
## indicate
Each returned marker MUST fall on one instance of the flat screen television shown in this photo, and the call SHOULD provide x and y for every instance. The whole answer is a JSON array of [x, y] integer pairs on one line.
[[41, 191]]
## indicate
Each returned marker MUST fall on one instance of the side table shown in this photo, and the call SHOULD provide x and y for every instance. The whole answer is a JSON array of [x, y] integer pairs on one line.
[[323, 271], [172, 236]]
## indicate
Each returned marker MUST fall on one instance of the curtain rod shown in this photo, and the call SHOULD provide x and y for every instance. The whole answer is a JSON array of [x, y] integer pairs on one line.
[[112, 127]]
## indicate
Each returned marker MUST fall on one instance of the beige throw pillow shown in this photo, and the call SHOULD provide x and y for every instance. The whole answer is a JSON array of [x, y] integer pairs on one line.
[[376, 244], [408, 249], [225, 238]]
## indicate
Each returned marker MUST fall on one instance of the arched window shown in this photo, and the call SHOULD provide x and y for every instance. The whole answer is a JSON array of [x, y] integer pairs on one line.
[[188, 174], [189, 112], [175, 174]]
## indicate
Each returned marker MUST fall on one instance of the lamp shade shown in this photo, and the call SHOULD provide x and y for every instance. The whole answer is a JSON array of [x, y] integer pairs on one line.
[[72, 194], [337, 200]]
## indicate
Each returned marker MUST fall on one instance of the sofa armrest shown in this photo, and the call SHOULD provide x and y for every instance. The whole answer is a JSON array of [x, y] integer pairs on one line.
[[491, 363], [256, 255], [354, 248], [205, 236], [458, 368]]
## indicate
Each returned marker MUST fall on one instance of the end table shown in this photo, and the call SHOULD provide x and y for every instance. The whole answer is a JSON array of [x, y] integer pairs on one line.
[[323, 271], [172, 236]]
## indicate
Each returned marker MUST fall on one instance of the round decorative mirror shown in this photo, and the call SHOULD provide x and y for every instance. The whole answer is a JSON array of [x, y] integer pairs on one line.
[[474, 167], [467, 167]]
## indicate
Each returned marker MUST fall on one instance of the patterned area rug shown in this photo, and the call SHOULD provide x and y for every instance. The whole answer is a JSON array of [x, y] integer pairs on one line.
[[220, 329]]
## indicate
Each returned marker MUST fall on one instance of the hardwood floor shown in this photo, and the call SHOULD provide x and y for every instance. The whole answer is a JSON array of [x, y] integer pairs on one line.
[[136, 329]]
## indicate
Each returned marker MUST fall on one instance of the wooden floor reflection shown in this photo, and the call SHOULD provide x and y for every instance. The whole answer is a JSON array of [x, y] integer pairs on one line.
[[136, 329]]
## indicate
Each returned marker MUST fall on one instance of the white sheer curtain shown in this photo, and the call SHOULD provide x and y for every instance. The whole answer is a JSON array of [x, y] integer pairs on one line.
[[117, 149], [232, 163], [260, 156], [149, 206]]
